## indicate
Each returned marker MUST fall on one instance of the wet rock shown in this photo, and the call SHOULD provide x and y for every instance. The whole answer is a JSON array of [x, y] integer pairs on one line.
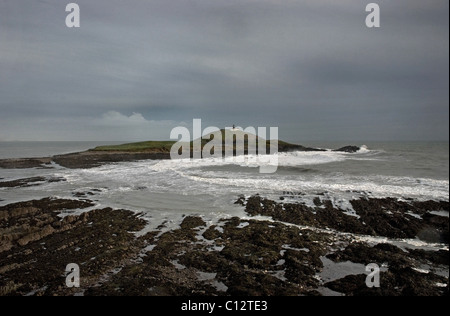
[[348, 149], [28, 182], [439, 227], [377, 217], [302, 215], [56, 180], [231, 257], [79, 194], [405, 282], [246, 259], [25, 222], [317, 201], [84, 194], [97, 241], [92, 159], [192, 222], [24, 163], [285, 147], [212, 233], [349, 284], [240, 201], [433, 257], [379, 254], [22, 182], [390, 217], [431, 235], [403, 277], [414, 283]]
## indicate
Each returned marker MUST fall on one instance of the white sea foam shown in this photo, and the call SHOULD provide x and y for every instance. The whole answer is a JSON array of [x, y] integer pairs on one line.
[[138, 181], [363, 149], [284, 159], [309, 158], [166, 190]]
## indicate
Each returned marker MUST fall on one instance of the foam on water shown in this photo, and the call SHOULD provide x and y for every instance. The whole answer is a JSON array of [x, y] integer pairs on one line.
[[164, 191], [216, 177], [363, 149], [253, 161]]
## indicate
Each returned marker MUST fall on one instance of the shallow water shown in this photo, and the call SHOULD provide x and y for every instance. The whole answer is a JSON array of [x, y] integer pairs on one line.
[[166, 190]]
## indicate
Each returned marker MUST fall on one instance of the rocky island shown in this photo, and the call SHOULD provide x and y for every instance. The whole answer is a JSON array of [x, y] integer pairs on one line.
[[153, 150], [278, 248]]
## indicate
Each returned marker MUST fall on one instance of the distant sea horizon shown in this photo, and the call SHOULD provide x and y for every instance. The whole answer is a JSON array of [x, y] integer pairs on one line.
[[165, 191], [39, 149]]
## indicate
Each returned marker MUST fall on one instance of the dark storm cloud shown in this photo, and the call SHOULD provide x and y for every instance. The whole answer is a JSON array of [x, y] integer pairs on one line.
[[310, 67]]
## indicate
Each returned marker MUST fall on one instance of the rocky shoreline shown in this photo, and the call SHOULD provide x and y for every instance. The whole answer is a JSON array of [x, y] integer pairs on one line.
[[386, 217], [292, 250], [94, 158], [82, 160]]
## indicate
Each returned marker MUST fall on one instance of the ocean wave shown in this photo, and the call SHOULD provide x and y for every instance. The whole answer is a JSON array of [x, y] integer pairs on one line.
[[363, 149], [337, 184], [291, 159], [217, 174]]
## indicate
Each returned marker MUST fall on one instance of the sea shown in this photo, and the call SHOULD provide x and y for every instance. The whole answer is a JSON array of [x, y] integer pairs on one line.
[[164, 191]]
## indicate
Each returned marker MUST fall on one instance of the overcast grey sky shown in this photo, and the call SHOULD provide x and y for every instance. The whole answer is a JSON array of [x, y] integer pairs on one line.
[[135, 69]]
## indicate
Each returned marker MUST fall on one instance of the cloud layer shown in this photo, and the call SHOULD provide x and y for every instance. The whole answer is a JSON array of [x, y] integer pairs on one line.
[[312, 68]]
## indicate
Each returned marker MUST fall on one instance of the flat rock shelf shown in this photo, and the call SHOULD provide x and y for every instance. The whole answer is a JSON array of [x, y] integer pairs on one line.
[[294, 255]]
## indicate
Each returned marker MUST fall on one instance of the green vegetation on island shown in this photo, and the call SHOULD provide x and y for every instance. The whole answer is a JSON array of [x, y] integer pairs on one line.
[[165, 146], [149, 146]]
